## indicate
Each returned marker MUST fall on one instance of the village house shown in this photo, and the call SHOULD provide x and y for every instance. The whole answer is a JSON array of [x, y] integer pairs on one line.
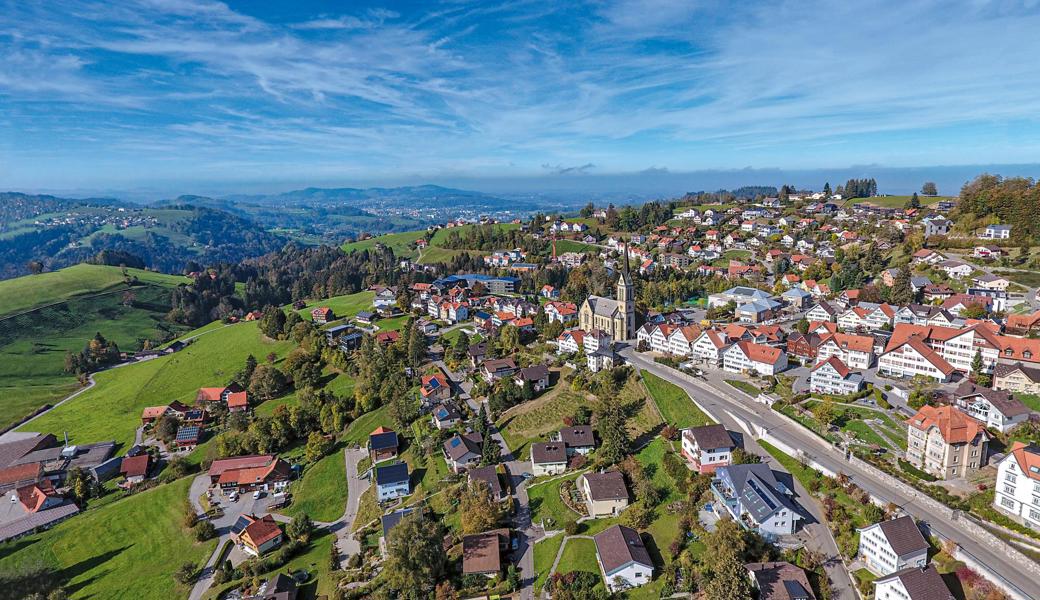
[[856, 351], [494, 369], [445, 416], [134, 469], [489, 476], [535, 375], [560, 312], [187, 438], [392, 481], [707, 447], [623, 558], [247, 473], [578, 439], [322, 315], [832, 377], [779, 581], [462, 452], [482, 552], [434, 388], [570, 341], [892, 545], [946, 442], [383, 444], [1017, 377], [913, 583], [256, 536], [996, 408], [752, 496], [1018, 484], [996, 232], [548, 458], [747, 357], [604, 492]]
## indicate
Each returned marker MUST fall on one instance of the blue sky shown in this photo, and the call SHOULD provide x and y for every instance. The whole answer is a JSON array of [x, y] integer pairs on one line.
[[194, 95]]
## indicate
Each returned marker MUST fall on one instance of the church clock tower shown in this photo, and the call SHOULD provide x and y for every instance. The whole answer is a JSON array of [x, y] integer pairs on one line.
[[626, 298]]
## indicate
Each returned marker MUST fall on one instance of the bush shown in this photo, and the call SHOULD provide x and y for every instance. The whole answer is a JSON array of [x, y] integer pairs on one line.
[[571, 528], [204, 530]]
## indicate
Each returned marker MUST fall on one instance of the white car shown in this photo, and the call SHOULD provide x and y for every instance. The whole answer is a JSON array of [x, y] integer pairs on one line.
[[233, 496], [257, 494]]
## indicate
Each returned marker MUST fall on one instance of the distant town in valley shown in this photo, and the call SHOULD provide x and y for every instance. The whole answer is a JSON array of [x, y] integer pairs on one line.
[[771, 392]]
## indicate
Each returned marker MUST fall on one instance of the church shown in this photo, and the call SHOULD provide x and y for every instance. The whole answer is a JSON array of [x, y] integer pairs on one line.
[[617, 317]]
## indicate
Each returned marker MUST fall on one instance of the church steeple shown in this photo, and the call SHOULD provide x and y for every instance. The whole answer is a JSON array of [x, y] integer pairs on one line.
[[625, 291]]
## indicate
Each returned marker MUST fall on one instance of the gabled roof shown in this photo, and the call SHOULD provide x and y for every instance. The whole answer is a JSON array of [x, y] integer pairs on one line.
[[392, 474], [262, 530], [759, 353], [606, 486], [135, 466], [921, 583], [848, 341], [1028, 458], [780, 581], [481, 552], [33, 496], [383, 440], [710, 436], [835, 363], [619, 546], [489, 475], [548, 453], [1030, 372], [903, 535], [578, 436], [955, 426], [457, 446]]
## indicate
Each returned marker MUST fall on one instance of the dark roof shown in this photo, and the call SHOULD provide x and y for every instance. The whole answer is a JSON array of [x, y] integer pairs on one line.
[[578, 436], [618, 546], [1031, 372], [488, 475], [711, 436], [903, 535], [445, 412], [280, 587], [478, 349], [606, 486], [780, 581], [1000, 399], [188, 434], [392, 474], [383, 441], [481, 552], [458, 445], [534, 373], [391, 520], [921, 583], [548, 452]]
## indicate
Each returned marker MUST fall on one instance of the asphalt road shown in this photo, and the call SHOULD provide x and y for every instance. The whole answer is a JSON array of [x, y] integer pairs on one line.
[[709, 395]]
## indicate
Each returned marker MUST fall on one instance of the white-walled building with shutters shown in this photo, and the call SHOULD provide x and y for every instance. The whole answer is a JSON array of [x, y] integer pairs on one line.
[[1018, 485], [856, 351], [832, 377], [747, 357], [892, 545], [709, 346]]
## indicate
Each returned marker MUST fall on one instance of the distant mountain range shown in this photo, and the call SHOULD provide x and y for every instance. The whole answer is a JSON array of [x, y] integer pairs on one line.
[[420, 197]]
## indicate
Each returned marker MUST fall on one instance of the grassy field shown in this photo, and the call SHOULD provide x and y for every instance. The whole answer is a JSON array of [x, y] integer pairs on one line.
[[345, 306], [315, 562], [127, 549], [33, 344], [898, 201], [579, 554], [31, 291], [745, 387], [534, 420], [321, 493], [546, 505], [358, 431], [400, 243], [574, 246], [111, 410], [674, 403], [1029, 279], [544, 554], [1030, 400]]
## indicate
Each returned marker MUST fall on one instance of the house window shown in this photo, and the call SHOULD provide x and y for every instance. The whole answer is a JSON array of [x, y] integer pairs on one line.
[[1009, 490], [1007, 503]]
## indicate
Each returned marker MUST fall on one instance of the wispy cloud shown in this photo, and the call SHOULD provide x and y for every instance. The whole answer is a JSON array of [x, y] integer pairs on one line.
[[509, 88]]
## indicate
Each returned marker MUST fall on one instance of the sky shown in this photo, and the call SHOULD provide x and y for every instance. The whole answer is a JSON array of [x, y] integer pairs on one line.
[[196, 96]]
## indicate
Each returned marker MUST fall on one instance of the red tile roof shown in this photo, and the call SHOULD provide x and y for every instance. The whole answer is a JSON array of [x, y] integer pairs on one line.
[[955, 426], [836, 363], [33, 496], [135, 466]]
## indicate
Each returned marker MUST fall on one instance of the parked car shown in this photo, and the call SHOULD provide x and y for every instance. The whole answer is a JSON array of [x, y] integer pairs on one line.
[[257, 495]]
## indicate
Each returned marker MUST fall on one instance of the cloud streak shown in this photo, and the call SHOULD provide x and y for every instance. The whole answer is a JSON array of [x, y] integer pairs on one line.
[[513, 88]]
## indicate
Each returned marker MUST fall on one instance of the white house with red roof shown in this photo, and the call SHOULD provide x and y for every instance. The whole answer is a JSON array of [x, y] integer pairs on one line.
[[745, 357], [1018, 484], [911, 357], [570, 341], [833, 377], [562, 312], [709, 346], [856, 351]]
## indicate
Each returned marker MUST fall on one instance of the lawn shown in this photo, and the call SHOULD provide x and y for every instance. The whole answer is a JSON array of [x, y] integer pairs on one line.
[[344, 306], [546, 505], [315, 561], [400, 243], [579, 554], [745, 387], [1027, 278], [111, 410], [321, 493], [573, 246], [545, 551], [33, 344], [1030, 400], [358, 431], [30, 291], [866, 433], [127, 549], [898, 201], [674, 403]]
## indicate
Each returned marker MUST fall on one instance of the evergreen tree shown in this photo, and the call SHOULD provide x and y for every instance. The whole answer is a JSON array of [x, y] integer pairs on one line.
[[416, 346], [913, 202], [902, 292], [613, 433], [490, 451], [827, 189]]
